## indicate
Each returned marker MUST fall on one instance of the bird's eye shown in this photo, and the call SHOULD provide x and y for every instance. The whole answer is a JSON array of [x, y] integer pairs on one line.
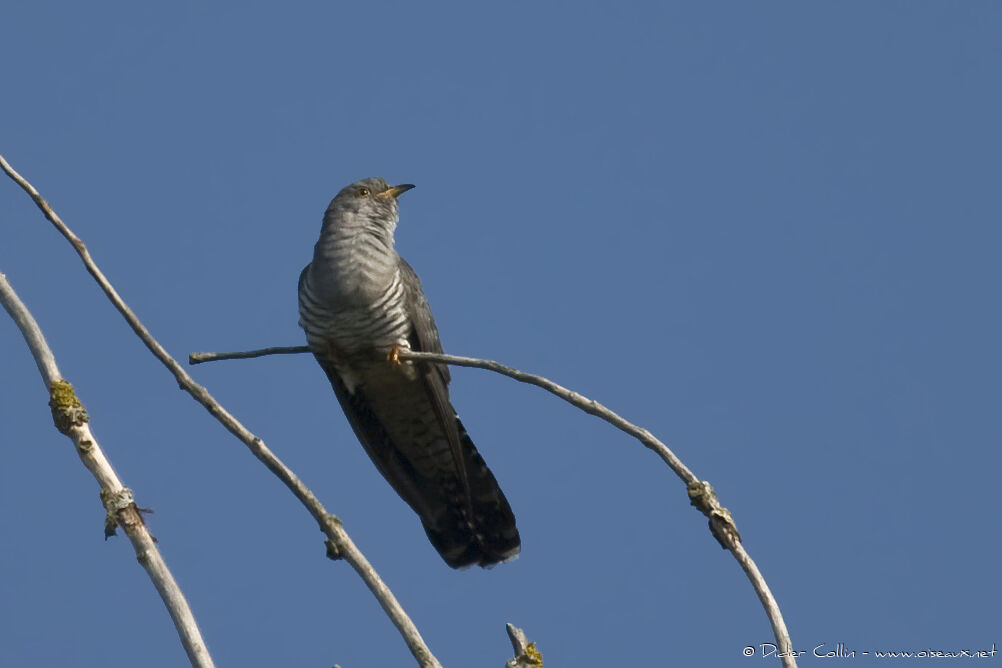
[[363, 192]]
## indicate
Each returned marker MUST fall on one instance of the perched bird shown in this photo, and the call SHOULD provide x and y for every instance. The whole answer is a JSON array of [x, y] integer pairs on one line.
[[359, 302]]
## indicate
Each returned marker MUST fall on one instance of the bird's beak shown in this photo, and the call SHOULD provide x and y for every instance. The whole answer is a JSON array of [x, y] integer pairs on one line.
[[396, 191]]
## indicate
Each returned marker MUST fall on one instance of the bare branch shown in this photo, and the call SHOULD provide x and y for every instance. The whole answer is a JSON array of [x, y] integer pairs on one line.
[[701, 494], [198, 358], [72, 420], [329, 524], [526, 654]]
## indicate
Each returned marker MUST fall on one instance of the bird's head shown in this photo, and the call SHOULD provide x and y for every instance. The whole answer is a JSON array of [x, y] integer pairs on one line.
[[366, 205]]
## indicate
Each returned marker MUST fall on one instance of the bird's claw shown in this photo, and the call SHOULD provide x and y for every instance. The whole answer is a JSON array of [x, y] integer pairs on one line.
[[394, 354]]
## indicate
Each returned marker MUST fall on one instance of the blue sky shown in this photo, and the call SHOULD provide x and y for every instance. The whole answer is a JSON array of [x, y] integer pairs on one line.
[[768, 232]]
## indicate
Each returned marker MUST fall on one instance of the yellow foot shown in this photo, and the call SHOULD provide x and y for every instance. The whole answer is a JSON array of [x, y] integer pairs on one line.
[[394, 354]]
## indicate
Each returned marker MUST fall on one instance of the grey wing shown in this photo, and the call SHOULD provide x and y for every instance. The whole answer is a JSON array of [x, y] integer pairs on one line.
[[424, 337], [494, 534]]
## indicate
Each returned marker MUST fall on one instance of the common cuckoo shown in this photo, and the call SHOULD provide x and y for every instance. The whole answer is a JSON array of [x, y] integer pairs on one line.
[[359, 302]]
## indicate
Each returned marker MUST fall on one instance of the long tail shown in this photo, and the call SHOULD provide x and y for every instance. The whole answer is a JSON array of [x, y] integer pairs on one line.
[[466, 529], [490, 536]]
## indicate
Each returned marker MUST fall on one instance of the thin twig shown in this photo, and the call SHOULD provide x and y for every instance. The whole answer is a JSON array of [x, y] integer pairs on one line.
[[329, 524], [198, 358], [701, 494], [72, 420]]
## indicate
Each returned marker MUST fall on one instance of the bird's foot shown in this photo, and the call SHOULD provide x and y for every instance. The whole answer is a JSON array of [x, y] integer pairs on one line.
[[394, 354]]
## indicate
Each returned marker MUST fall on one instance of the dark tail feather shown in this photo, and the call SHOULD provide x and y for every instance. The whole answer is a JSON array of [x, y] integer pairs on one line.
[[490, 537], [486, 538]]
